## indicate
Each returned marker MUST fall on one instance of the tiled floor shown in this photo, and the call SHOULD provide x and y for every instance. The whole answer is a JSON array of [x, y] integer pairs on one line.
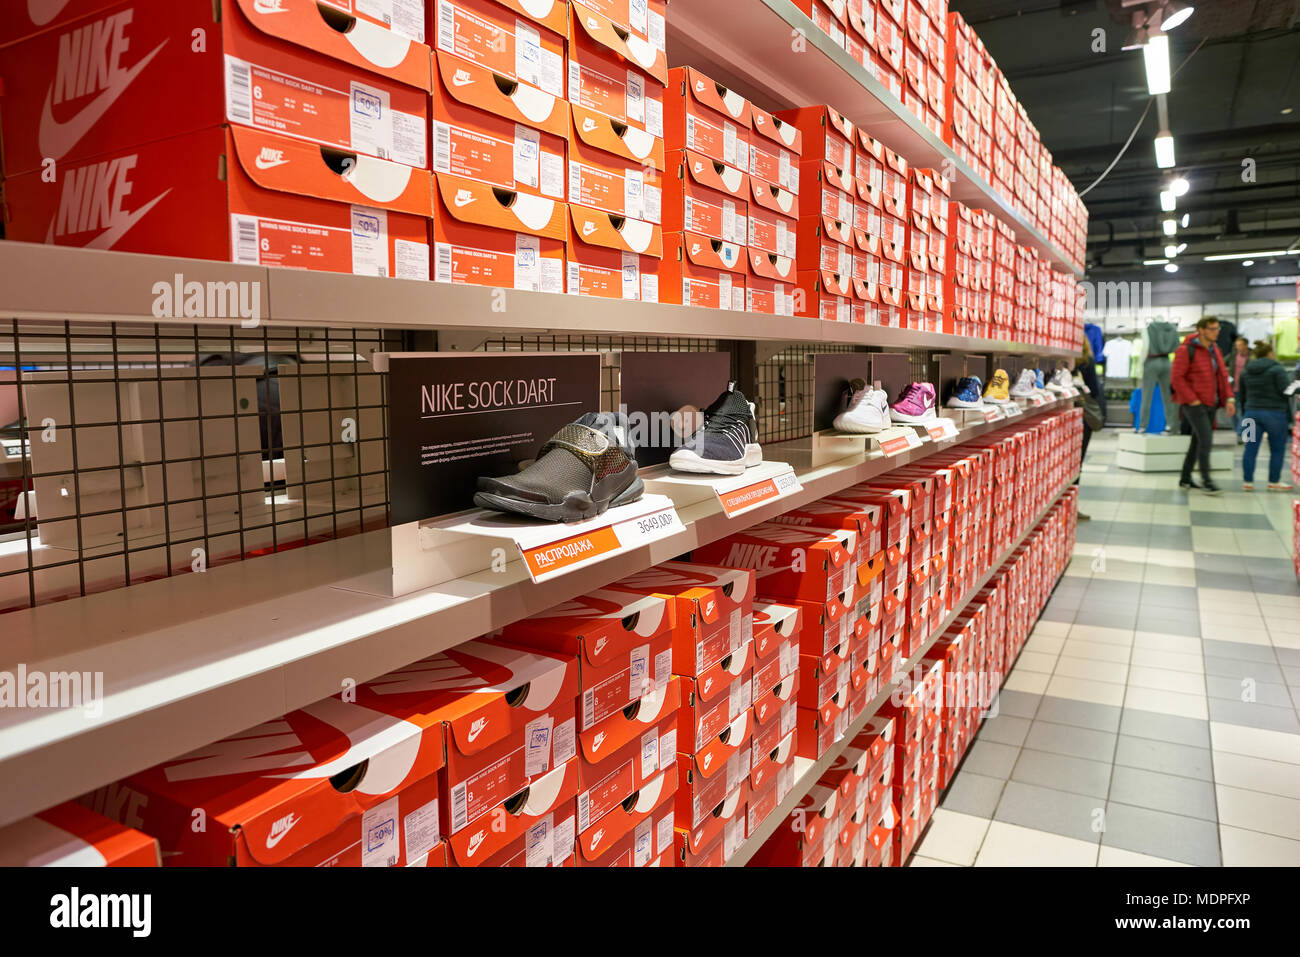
[[1152, 718]]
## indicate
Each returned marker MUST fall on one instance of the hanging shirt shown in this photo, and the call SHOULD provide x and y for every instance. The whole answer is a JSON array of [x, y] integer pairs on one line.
[[1284, 339], [1254, 329], [1118, 353]]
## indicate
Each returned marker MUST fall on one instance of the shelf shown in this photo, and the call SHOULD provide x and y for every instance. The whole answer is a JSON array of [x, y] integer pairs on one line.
[[117, 287], [749, 47], [823, 764], [190, 659]]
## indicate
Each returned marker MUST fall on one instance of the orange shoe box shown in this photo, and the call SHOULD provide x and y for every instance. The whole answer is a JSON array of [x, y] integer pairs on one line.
[[311, 83], [636, 833], [615, 75], [773, 233], [70, 835], [487, 44], [280, 204], [705, 117], [826, 244], [643, 19], [723, 828], [704, 198], [764, 802], [825, 295], [612, 258], [707, 779], [699, 271], [771, 284], [775, 150], [826, 136], [829, 16], [534, 828]]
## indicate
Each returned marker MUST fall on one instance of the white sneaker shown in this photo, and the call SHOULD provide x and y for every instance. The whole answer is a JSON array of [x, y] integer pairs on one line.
[[867, 409], [1059, 383], [1026, 385]]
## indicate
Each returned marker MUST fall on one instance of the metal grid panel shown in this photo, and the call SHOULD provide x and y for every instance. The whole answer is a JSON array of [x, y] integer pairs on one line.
[[136, 452]]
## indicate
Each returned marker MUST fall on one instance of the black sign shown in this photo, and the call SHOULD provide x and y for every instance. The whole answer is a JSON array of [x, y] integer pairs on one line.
[[662, 391], [832, 373], [893, 370], [453, 418]]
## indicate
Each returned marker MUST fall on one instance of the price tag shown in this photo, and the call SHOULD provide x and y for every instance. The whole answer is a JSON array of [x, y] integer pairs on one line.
[[1011, 410], [737, 501], [1037, 400], [895, 444], [546, 559], [656, 525], [942, 429], [993, 415]]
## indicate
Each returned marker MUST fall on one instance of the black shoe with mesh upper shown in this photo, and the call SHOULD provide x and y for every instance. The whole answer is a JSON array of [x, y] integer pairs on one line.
[[728, 443], [585, 468]]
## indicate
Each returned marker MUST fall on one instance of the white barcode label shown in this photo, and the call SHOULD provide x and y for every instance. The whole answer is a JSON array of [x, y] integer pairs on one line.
[[643, 846], [527, 156], [575, 181], [664, 840], [459, 806], [528, 267], [734, 633], [724, 294], [564, 839], [631, 275], [638, 672], [699, 648], [634, 194], [655, 25], [654, 116], [649, 753], [411, 259], [690, 131], [733, 836], [788, 717], [729, 143], [441, 148], [635, 97], [239, 91], [446, 27], [564, 745], [584, 811], [667, 749], [537, 752], [528, 53], [663, 669], [689, 207], [540, 844], [552, 175], [588, 708], [575, 81], [442, 266], [649, 287], [244, 240], [421, 830], [784, 174], [574, 279], [729, 225]]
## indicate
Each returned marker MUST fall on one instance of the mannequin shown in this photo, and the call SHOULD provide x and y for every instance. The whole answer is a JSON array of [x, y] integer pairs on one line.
[[1161, 340]]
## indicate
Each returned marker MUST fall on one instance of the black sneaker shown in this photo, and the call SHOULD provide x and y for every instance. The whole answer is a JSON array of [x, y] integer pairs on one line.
[[1209, 488], [1187, 484], [728, 443], [585, 468]]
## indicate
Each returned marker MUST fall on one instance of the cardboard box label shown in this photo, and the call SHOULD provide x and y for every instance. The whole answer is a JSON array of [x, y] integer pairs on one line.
[[605, 795]]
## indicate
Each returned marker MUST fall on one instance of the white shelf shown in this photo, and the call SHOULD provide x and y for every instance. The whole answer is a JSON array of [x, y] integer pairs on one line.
[[748, 46], [117, 287], [190, 659], [812, 774]]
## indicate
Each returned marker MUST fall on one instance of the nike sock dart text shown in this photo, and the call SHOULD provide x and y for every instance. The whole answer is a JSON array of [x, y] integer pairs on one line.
[[728, 443]]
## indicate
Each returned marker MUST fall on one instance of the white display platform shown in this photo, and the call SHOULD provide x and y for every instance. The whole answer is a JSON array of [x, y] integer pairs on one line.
[[737, 494], [1141, 452]]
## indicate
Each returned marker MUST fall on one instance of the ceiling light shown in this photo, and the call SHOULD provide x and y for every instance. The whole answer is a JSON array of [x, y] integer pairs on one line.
[[1165, 149], [1156, 56], [1179, 187], [1272, 252], [1248, 262], [1286, 111], [1171, 267], [1176, 13], [1167, 201], [1154, 262], [1171, 251], [1170, 226], [1181, 247], [1187, 218]]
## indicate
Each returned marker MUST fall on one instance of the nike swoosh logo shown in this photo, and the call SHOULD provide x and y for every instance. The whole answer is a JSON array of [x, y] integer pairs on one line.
[[461, 81], [272, 841], [269, 164], [56, 138], [464, 201], [474, 733], [109, 237], [43, 11], [268, 6]]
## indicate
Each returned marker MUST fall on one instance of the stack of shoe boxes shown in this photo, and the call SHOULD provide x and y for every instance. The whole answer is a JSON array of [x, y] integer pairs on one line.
[[1003, 142], [775, 152], [824, 234], [927, 230], [968, 106], [813, 569], [626, 708], [870, 756], [880, 231], [915, 768], [860, 37], [706, 193], [1025, 296], [1004, 278], [712, 652], [954, 650], [963, 272], [829, 16], [924, 61], [323, 150], [917, 490], [617, 72], [499, 160], [809, 837], [775, 709], [70, 835]]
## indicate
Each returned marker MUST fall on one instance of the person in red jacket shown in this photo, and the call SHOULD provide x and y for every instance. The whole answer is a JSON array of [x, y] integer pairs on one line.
[[1200, 386]]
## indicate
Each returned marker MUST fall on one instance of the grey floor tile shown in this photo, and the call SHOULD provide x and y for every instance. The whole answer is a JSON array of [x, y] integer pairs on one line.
[[1239, 670], [1107, 616], [1271, 586], [1164, 756], [1288, 656], [1239, 650], [1254, 715], [1263, 692], [1092, 533], [1236, 581], [1171, 536], [1167, 621], [989, 757], [1230, 520], [1070, 740], [1169, 596], [1164, 792], [1291, 674], [1057, 613], [1020, 704], [972, 793], [1211, 562], [1046, 809], [1171, 836], [1081, 714], [1279, 568], [1102, 493], [1063, 772], [1165, 727], [1005, 729]]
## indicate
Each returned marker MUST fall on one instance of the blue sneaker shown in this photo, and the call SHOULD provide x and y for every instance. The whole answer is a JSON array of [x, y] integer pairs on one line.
[[1038, 379], [966, 394]]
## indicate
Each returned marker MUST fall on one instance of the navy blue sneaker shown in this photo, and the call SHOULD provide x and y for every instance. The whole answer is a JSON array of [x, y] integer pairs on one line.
[[966, 394]]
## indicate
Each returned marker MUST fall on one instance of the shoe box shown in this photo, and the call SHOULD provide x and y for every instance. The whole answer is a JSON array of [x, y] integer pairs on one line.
[[808, 838], [636, 833], [714, 842], [327, 168], [829, 16], [926, 229], [70, 835], [533, 828], [776, 659], [775, 152], [764, 802], [770, 283], [963, 278], [616, 90]]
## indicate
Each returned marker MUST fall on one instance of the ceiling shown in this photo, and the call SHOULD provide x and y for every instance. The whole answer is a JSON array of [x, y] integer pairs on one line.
[[1240, 70]]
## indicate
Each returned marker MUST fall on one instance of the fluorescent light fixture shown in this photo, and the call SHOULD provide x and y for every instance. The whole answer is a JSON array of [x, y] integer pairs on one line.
[[1156, 56], [1171, 267], [1187, 218], [1181, 247], [1180, 186], [1167, 201], [1171, 227], [1272, 252], [1154, 262], [1248, 262], [1176, 13], [1165, 150], [1171, 251]]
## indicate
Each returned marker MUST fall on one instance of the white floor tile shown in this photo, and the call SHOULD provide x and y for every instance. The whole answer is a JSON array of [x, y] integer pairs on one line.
[[1136, 554], [1282, 640], [1171, 557], [1115, 636], [1045, 645], [1118, 857], [1242, 848], [1035, 661], [1096, 650], [1163, 679], [1255, 742], [1030, 682], [1158, 575], [954, 837], [1176, 660], [1092, 669], [1053, 628], [1227, 597], [1244, 635], [919, 861], [1257, 811], [1081, 689], [1009, 845], [1257, 774], [1285, 624], [1167, 702]]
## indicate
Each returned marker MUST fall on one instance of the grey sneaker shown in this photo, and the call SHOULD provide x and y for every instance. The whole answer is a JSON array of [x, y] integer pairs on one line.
[[728, 443]]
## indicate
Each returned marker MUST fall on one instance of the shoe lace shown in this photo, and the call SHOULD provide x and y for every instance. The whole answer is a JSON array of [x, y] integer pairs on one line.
[[910, 391], [719, 421]]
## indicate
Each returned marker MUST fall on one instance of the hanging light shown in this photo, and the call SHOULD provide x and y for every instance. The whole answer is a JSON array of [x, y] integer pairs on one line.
[[1156, 56], [1167, 201], [1248, 262], [1187, 218], [1179, 187], [1170, 227], [1165, 150], [1175, 14], [1171, 267]]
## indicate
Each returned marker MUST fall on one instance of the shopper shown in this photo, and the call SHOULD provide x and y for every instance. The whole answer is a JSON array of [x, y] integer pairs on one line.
[[1200, 383], [1241, 355], [1094, 406], [1261, 395]]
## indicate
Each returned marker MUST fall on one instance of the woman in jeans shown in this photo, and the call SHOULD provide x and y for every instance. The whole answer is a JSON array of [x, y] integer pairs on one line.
[[1262, 399]]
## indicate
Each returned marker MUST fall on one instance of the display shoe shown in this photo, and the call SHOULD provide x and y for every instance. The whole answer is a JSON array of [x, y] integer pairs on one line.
[[1060, 383], [1039, 384], [1024, 387], [966, 394], [999, 388], [915, 405], [867, 409], [582, 470], [728, 443]]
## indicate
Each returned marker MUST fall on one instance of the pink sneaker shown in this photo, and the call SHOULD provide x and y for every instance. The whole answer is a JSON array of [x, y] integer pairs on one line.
[[915, 405]]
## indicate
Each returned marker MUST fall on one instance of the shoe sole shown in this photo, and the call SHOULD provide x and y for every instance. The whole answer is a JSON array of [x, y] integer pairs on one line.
[[963, 404], [1212, 491], [902, 418], [577, 506], [857, 429], [687, 460]]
